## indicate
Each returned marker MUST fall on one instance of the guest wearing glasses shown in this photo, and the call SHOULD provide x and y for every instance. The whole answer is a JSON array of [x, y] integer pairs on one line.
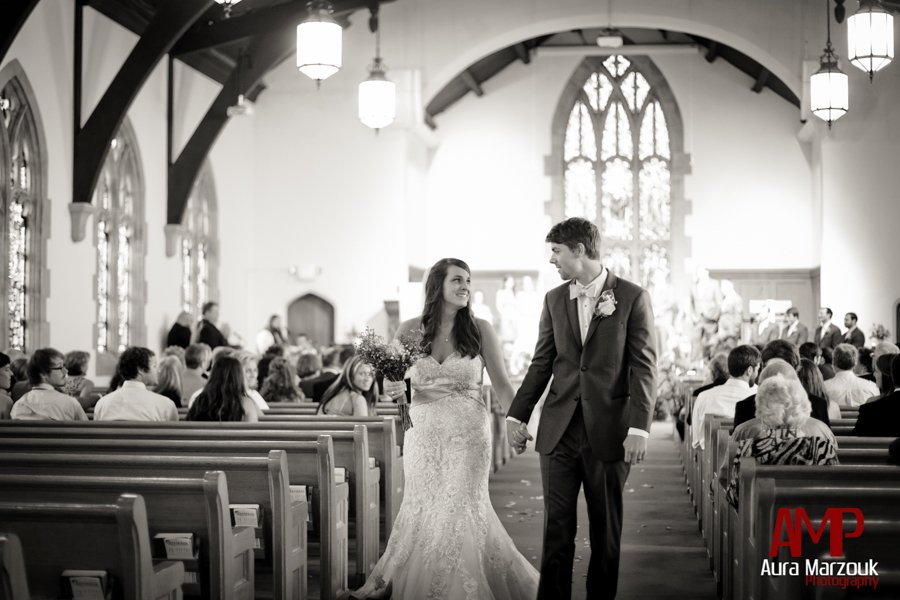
[[46, 371]]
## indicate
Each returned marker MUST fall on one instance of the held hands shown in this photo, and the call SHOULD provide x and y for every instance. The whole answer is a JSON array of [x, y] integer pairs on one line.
[[517, 435], [635, 449], [396, 390]]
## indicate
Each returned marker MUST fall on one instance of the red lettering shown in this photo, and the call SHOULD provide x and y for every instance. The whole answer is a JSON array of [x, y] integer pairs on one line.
[[784, 523], [792, 529]]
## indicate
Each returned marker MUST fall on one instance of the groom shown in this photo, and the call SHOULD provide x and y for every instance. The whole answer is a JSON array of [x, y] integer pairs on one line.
[[597, 341]]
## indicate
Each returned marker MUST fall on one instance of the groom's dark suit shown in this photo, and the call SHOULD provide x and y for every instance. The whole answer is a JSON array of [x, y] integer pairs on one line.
[[600, 389]]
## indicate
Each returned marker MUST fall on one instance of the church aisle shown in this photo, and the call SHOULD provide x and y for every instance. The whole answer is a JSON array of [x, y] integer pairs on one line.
[[663, 557]]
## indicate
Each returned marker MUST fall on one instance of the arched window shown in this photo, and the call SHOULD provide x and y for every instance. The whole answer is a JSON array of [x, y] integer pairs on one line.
[[22, 232], [119, 235], [199, 253], [618, 142]]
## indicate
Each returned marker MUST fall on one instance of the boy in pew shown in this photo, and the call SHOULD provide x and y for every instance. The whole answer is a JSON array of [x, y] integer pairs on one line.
[[47, 371], [133, 401]]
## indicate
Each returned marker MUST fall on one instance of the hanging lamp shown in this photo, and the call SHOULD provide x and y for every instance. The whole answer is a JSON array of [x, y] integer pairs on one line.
[[377, 94], [870, 37], [319, 42], [829, 95]]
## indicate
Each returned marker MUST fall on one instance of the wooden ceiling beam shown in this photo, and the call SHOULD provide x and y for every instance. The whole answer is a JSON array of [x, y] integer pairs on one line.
[[92, 141], [265, 52], [13, 14], [207, 35]]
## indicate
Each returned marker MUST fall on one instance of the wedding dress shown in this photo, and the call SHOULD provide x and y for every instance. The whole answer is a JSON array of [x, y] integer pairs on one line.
[[447, 541]]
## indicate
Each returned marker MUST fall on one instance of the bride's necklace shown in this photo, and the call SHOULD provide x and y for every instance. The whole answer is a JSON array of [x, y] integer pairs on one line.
[[445, 336]]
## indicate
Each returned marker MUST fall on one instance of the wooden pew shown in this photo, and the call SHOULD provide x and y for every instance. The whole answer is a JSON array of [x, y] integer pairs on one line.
[[309, 463], [259, 480], [351, 451], [382, 433], [54, 538], [877, 503], [13, 579], [197, 506]]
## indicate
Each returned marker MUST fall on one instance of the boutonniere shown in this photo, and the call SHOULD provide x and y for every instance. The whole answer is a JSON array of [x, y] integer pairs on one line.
[[606, 305]]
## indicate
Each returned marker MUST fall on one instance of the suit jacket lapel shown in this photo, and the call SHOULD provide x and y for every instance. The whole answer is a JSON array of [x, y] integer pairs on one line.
[[572, 313], [611, 282]]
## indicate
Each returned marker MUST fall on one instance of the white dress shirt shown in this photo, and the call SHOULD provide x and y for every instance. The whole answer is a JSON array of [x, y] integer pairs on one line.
[[848, 390], [720, 401], [43, 403], [134, 402]]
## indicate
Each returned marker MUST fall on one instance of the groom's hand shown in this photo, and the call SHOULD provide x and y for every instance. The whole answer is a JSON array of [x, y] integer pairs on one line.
[[517, 435], [635, 449]]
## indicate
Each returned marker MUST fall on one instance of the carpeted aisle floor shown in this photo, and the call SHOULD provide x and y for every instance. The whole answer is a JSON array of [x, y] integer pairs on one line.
[[663, 557]]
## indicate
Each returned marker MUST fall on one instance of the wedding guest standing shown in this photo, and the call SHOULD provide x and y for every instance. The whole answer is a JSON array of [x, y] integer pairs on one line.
[[180, 333], [207, 332], [827, 333], [853, 335], [794, 331], [271, 335]]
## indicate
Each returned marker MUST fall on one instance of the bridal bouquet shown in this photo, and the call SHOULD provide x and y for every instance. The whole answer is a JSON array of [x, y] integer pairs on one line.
[[392, 360]]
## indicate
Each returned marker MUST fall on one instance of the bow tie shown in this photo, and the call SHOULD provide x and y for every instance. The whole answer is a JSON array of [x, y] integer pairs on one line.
[[576, 290]]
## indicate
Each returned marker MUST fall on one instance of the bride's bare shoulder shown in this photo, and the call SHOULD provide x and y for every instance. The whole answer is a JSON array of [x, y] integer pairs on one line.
[[409, 326]]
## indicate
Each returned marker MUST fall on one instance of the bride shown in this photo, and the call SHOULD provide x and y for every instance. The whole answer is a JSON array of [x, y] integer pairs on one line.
[[447, 541]]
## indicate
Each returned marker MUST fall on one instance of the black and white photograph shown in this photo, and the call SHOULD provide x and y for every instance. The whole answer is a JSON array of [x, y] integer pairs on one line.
[[449, 300]]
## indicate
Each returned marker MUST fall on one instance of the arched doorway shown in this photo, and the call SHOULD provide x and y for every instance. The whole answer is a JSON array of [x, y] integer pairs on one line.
[[313, 316]]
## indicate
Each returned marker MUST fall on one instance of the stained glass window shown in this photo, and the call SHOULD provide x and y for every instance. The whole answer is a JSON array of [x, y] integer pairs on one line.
[[196, 244], [118, 221], [617, 169], [19, 206]]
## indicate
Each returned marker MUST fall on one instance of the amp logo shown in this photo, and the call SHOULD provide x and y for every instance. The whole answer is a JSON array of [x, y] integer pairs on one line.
[[789, 530]]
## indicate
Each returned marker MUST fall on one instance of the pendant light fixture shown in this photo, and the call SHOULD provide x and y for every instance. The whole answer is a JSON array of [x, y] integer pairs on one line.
[[319, 42], [870, 37], [377, 94], [829, 87], [226, 5]]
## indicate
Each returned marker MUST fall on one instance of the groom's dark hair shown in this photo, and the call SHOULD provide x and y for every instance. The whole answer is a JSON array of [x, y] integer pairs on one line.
[[574, 231]]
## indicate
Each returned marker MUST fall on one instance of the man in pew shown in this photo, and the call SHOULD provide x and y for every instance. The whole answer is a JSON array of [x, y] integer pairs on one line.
[[743, 369], [46, 372], [847, 388], [881, 417], [782, 409], [196, 363], [811, 427], [786, 351], [133, 401]]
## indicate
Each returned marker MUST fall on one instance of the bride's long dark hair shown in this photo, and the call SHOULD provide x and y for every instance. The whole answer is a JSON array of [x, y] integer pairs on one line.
[[466, 335]]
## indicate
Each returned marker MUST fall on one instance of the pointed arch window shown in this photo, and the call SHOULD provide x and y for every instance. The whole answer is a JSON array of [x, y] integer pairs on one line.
[[199, 245], [614, 128], [22, 234], [119, 235]]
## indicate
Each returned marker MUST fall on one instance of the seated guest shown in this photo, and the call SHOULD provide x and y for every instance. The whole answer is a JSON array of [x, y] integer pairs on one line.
[[810, 351], [169, 377], [180, 334], [782, 408], [281, 383], [309, 364], [743, 368], [883, 375], [827, 364], [5, 385], [846, 388], [196, 362], [176, 351], [881, 349], [853, 335], [881, 416], [894, 452], [47, 371], [250, 361], [864, 367], [262, 367], [352, 394], [315, 387], [746, 409], [225, 396], [811, 379], [718, 373], [132, 401], [77, 385], [21, 383]]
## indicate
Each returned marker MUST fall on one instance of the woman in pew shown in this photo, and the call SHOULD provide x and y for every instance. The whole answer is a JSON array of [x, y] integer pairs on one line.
[[224, 398], [353, 393], [47, 371], [280, 384], [77, 384], [812, 381], [250, 364], [169, 385], [783, 407]]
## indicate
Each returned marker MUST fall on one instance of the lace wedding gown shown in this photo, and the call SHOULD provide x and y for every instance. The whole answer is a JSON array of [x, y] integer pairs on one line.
[[447, 541]]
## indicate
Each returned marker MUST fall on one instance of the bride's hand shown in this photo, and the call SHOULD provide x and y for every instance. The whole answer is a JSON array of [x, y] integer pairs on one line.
[[396, 390]]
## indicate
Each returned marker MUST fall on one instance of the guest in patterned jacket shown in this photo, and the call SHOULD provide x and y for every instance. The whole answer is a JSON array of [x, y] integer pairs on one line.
[[782, 407]]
